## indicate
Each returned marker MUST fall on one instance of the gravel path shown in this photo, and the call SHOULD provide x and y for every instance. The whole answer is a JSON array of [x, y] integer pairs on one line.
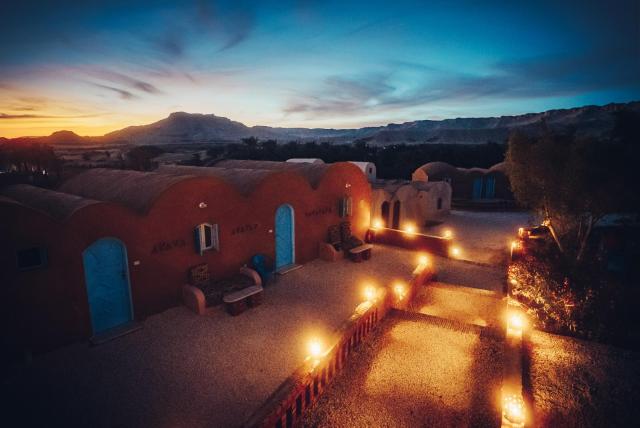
[[483, 236], [472, 306], [412, 373], [467, 274], [576, 383], [187, 370]]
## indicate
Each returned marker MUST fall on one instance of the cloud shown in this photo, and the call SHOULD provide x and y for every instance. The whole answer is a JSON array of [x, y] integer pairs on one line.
[[124, 94], [115, 81], [7, 116], [538, 77], [232, 23], [123, 79]]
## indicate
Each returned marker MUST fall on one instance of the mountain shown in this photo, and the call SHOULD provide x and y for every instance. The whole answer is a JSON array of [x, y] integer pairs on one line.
[[183, 127]]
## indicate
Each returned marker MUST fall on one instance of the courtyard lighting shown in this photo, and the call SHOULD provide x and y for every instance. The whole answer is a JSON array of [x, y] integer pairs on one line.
[[315, 348], [399, 289], [423, 260], [376, 224], [455, 251], [370, 293], [410, 228], [447, 233], [516, 323], [513, 410]]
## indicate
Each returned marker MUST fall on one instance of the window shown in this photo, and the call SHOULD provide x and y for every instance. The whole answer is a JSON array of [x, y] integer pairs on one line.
[[439, 203], [447, 180], [206, 237], [345, 207], [31, 258]]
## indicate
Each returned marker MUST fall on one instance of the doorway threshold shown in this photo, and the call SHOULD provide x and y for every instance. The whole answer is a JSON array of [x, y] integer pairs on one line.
[[288, 268], [114, 333]]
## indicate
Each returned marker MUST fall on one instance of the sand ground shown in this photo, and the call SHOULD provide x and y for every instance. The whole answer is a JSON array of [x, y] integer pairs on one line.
[[181, 369]]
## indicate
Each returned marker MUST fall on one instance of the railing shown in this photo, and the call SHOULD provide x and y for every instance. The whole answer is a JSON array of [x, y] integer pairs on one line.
[[301, 390]]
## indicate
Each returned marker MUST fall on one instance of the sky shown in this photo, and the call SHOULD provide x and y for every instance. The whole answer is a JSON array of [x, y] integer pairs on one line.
[[97, 66]]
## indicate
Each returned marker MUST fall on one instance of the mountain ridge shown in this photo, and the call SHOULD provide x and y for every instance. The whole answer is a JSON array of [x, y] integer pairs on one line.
[[182, 127]]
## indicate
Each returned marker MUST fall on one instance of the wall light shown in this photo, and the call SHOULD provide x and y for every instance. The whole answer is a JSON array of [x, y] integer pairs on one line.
[[399, 289], [455, 251], [513, 410], [315, 348], [516, 323], [447, 233], [410, 228], [202, 205], [376, 224], [370, 293]]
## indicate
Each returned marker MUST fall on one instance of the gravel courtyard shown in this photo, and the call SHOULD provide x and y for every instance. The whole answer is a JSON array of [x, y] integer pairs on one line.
[[576, 383], [181, 369], [414, 373], [483, 236], [463, 304]]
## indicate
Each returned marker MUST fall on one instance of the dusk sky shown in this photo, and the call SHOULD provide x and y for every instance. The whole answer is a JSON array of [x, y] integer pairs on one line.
[[94, 66]]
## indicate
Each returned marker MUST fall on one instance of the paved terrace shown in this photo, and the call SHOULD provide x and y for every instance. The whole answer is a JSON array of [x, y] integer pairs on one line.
[[181, 369]]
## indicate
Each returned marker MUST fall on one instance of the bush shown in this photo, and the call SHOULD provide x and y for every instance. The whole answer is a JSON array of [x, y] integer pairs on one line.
[[579, 300]]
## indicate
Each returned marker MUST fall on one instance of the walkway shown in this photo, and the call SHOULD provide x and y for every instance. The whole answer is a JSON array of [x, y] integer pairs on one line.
[[416, 372]]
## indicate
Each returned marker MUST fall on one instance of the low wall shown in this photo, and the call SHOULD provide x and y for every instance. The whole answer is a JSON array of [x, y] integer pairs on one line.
[[301, 390], [412, 241]]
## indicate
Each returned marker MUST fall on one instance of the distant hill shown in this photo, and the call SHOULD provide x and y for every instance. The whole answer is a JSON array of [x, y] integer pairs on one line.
[[183, 128]]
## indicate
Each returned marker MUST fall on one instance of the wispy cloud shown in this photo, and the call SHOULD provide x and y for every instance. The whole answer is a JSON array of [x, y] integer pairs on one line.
[[540, 77], [122, 79], [124, 94], [6, 116]]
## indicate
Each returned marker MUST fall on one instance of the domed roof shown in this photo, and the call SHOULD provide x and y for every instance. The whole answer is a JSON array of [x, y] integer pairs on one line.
[[437, 168], [499, 167]]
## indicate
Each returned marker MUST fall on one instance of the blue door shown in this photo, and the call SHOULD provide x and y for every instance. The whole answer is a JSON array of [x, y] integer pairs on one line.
[[107, 279], [490, 188], [284, 236], [477, 188]]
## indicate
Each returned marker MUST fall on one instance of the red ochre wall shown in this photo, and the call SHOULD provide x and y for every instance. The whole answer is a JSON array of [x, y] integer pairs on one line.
[[48, 307]]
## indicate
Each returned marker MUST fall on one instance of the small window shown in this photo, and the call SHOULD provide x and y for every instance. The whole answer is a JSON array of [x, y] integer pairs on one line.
[[447, 180], [439, 203], [32, 258], [206, 237], [345, 208], [370, 170]]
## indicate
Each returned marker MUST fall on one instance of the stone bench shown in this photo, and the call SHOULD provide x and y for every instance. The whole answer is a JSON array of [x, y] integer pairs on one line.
[[238, 301], [361, 252], [210, 293]]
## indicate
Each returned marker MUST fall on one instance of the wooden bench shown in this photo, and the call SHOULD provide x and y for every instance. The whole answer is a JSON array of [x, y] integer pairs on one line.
[[360, 253], [238, 301]]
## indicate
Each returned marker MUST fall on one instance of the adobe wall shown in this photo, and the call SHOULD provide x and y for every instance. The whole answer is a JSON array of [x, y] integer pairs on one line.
[[49, 307]]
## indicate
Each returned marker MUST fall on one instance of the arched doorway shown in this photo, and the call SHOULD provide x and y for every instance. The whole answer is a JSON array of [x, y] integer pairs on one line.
[[107, 279], [396, 215], [477, 188], [490, 187], [285, 235], [384, 213]]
